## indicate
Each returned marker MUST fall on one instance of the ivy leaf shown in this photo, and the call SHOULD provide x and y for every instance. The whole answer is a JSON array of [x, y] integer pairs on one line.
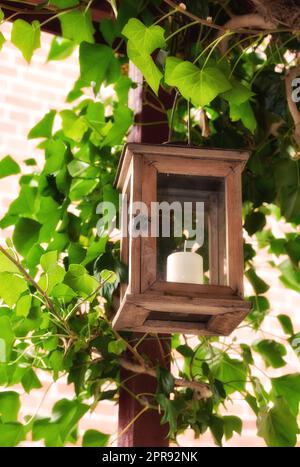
[[8, 167], [122, 120], [286, 324], [30, 380], [43, 129], [245, 113], [171, 412], [77, 26], [11, 434], [7, 338], [271, 351], [9, 406], [11, 287], [142, 42], [26, 37], [199, 86], [216, 426], [254, 221], [80, 281], [231, 372], [277, 426], [260, 308], [73, 127], [23, 305], [44, 429], [288, 387], [238, 94], [257, 283], [95, 439], [55, 151], [232, 424], [53, 273], [2, 40], [290, 275], [165, 381], [63, 292], [61, 48], [26, 234], [97, 64]]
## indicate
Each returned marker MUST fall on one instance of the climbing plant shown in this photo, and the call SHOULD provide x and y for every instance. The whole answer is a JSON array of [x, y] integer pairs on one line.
[[238, 64]]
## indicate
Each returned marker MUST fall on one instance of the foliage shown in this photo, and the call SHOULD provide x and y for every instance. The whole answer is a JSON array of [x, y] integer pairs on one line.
[[55, 267]]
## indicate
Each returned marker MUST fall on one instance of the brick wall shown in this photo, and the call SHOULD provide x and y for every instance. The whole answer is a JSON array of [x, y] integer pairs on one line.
[[26, 94]]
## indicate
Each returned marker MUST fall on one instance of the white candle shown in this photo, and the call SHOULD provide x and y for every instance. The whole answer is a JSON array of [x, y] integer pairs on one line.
[[186, 267]]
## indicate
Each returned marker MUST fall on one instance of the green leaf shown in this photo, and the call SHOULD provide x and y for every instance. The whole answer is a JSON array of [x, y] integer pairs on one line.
[[288, 387], [271, 351], [238, 94], [116, 347], [171, 412], [97, 64], [142, 42], [63, 292], [7, 338], [260, 308], [80, 281], [26, 234], [11, 287], [123, 117], [259, 286], [43, 129], [199, 86], [277, 426], [11, 434], [165, 381], [26, 37], [290, 275], [23, 305], [2, 40], [44, 429], [286, 324], [216, 426], [9, 406], [77, 26], [55, 151], [231, 372], [73, 127], [95, 439], [53, 273], [254, 221], [6, 265], [245, 113], [60, 49], [30, 381], [8, 167], [232, 424], [67, 414]]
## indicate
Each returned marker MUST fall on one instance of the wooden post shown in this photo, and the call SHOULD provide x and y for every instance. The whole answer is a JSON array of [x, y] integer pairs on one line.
[[147, 430]]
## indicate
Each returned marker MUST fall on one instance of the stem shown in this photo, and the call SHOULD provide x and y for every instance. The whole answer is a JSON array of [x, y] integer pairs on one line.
[[188, 25], [189, 123], [49, 303], [172, 116]]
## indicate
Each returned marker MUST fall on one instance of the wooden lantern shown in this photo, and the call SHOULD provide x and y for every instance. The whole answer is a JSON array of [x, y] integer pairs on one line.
[[212, 304]]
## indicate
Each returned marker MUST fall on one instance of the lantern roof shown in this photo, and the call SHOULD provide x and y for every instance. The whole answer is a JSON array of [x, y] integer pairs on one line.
[[179, 150]]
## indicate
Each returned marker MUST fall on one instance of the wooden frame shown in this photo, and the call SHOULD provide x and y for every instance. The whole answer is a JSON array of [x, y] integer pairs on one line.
[[148, 304]]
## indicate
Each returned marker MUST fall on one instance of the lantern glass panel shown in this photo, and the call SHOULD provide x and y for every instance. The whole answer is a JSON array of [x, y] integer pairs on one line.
[[191, 223]]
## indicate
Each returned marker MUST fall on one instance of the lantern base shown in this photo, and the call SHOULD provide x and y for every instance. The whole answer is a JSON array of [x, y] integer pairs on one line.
[[207, 311]]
